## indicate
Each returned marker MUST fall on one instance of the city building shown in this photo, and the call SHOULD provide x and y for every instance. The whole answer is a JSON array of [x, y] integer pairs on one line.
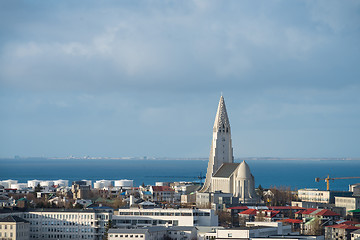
[[321, 196], [14, 227], [339, 231], [153, 233], [80, 189], [222, 173], [221, 145], [355, 188], [252, 230], [349, 203], [214, 200], [162, 194], [355, 235], [57, 223], [236, 178], [137, 217]]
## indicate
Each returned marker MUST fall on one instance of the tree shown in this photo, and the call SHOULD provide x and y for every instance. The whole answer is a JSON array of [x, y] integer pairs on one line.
[[107, 227], [38, 188], [315, 227], [224, 218]]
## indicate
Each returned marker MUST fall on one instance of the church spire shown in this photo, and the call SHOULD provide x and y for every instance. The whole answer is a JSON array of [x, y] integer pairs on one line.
[[221, 145], [221, 120]]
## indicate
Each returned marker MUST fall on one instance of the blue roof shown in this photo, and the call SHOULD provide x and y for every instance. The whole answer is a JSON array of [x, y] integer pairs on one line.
[[102, 207]]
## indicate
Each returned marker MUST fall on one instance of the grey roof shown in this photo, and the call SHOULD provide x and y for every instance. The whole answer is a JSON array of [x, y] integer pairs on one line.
[[12, 219], [137, 230], [88, 210], [129, 231], [226, 170], [356, 231], [181, 228], [208, 228]]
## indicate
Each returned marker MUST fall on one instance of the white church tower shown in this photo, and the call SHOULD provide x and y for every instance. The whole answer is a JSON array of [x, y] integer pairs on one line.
[[221, 147]]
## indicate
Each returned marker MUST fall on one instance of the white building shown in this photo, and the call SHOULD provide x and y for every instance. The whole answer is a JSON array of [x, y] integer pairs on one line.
[[165, 217], [355, 188], [252, 230], [237, 179], [350, 203], [222, 173], [14, 227], [221, 150], [321, 196], [153, 233], [53, 224]]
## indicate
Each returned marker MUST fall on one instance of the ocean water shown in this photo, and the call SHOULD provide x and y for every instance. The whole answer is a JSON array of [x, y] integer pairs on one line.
[[279, 173]]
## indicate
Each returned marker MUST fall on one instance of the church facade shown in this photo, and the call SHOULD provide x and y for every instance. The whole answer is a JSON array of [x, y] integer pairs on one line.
[[222, 173]]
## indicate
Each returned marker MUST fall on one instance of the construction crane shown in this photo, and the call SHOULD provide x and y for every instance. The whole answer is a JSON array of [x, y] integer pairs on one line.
[[328, 178]]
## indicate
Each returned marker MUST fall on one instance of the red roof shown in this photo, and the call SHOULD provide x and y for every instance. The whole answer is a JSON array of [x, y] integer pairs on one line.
[[285, 207], [249, 211], [307, 211], [273, 213], [343, 226], [327, 212], [239, 207], [289, 220], [350, 223], [162, 189]]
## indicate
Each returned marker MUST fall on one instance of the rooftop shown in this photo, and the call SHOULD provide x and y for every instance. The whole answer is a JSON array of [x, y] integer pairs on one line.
[[12, 219], [226, 170]]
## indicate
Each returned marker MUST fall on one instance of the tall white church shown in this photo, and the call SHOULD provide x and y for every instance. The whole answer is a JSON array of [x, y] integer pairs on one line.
[[222, 173]]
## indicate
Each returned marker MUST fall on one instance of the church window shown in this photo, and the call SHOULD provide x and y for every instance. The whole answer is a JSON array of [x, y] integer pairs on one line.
[[227, 129]]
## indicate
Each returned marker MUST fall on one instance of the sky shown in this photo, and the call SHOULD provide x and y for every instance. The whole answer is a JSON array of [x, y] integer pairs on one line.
[[143, 78]]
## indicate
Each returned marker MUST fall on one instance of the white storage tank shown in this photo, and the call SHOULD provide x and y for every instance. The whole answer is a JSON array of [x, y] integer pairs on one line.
[[102, 183], [62, 183], [7, 183], [18, 186], [46, 183], [4, 184], [124, 183], [33, 183], [97, 185], [162, 184]]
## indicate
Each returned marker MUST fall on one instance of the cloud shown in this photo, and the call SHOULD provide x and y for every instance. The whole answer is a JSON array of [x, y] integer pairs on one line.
[[106, 68], [158, 46]]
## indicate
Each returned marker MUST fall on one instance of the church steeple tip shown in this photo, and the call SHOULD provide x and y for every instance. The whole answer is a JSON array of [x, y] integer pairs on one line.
[[221, 120]]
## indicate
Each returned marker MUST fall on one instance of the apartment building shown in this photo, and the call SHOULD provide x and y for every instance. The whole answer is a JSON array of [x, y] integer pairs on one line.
[[14, 227], [51, 224], [133, 217], [350, 203], [321, 196]]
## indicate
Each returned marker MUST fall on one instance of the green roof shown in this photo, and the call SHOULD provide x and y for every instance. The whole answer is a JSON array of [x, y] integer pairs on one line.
[[355, 211]]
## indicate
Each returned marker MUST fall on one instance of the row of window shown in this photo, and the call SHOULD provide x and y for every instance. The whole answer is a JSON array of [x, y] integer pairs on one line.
[[62, 230], [147, 222], [62, 223], [2, 226], [165, 213], [61, 216], [59, 236], [127, 235]]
